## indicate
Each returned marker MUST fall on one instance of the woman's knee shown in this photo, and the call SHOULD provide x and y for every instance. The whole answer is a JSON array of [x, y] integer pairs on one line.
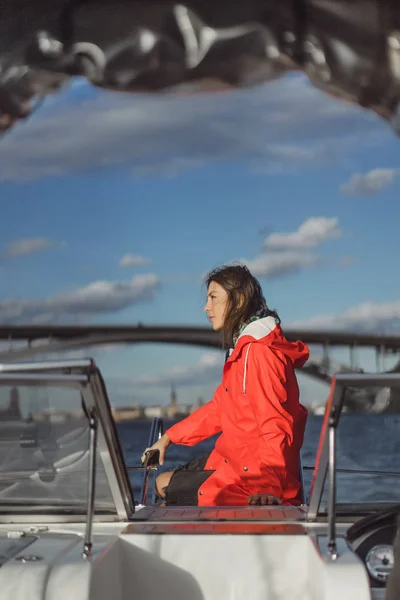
[[162, 482]]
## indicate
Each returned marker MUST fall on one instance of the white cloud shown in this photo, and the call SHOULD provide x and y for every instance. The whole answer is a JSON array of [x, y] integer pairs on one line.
[[97, 297], [311, 233], [362, 184], [286, 253], [208, 368], [279, 123], [302, 154], [168, 168], [133, 260], [369, 316], [24, 247], [276, 264]]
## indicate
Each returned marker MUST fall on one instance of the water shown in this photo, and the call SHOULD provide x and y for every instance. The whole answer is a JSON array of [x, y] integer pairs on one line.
[[365, 442]]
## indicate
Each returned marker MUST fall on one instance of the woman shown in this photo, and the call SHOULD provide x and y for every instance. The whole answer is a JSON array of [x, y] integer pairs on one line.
[[256, 408]]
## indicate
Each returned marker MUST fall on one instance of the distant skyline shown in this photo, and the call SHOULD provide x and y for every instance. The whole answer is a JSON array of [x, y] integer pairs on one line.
[[115, 206]]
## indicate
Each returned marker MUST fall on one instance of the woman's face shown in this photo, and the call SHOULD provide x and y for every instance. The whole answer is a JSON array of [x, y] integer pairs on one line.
[[217, 301]]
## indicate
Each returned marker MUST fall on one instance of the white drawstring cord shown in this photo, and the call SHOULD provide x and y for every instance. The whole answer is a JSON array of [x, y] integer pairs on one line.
[[245, 368]]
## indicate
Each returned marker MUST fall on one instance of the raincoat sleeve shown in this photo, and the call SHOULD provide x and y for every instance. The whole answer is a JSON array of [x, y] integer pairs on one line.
[[200, 425], [267, 394]]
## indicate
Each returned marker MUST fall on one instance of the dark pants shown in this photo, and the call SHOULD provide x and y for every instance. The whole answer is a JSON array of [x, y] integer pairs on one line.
[[185, 482]]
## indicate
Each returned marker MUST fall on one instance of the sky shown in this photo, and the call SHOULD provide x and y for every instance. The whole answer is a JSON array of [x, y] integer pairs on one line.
[[115, 206]]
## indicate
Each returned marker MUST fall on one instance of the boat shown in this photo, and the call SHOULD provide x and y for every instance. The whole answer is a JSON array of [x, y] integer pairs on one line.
[[71, 528]]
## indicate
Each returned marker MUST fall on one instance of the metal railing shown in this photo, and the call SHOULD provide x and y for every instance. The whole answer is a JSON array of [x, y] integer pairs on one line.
[[156, 432], [88, 543]]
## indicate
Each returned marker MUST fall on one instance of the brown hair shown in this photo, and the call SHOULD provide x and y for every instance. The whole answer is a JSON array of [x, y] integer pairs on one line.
[[245, 298]]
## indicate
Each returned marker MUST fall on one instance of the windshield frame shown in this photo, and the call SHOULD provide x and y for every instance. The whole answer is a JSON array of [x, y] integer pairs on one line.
[[85, 376], [326, 459]]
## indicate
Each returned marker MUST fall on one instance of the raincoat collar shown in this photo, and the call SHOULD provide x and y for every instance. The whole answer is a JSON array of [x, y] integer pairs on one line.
[[256, 329], [267, 331]]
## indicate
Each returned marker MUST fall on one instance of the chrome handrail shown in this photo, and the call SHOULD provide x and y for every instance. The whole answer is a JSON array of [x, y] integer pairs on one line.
[[88, 543], [359, 471], [156, 432], [332, 429]]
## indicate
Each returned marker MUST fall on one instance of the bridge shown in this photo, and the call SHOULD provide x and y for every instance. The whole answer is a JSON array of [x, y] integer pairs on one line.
[[27, 341]]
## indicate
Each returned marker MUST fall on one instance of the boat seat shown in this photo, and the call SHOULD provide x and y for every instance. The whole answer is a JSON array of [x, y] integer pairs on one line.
[[43, 581]]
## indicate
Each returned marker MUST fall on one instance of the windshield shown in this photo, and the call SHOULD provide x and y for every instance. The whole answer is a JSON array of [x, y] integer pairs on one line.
[[367, 455], [44, 452], [372, 475], [368, 459]]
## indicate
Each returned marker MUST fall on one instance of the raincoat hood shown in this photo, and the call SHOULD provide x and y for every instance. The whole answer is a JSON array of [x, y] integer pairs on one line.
[[267, 331]]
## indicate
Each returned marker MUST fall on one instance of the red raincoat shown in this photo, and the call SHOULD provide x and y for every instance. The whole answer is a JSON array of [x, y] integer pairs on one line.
[[257, 409]]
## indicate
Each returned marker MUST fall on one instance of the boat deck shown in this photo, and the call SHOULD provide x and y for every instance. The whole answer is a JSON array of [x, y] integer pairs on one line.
[[228, 513], [241, 520]]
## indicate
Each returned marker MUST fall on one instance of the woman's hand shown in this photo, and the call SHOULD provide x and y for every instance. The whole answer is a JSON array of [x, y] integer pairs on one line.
[[263, 499], [161, 445]]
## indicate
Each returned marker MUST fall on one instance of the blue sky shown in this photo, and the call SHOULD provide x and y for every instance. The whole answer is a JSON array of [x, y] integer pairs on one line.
[[115, 206]]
